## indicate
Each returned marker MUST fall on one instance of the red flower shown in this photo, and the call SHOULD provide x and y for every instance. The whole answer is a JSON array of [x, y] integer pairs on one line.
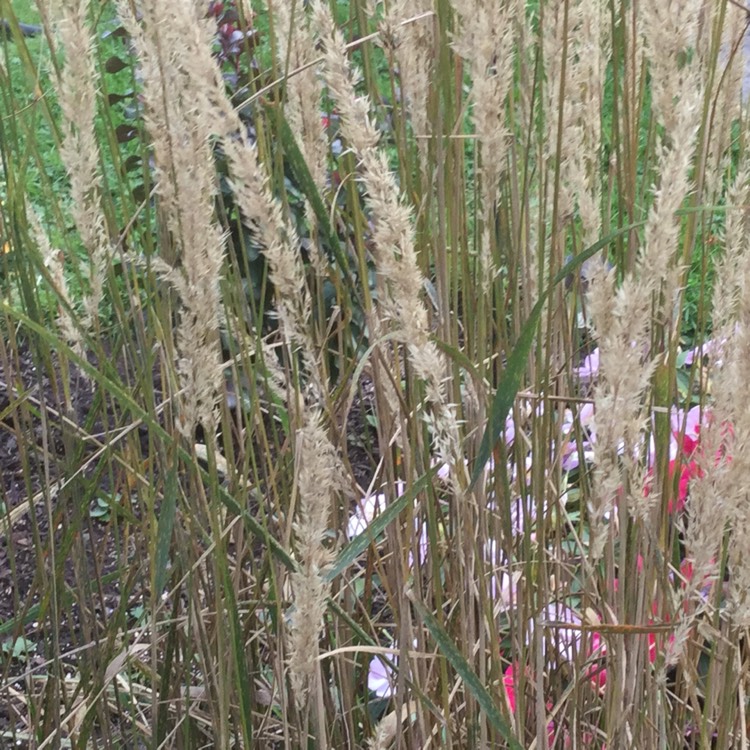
[[685, 462], [509, 683], [688, 471]]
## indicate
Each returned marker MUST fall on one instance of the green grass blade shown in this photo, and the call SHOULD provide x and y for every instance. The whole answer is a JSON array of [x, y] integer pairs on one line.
[[164, 531], [516, 364], [301, 171], [464, 670], [361, 542], [241, 670], [170, 648]]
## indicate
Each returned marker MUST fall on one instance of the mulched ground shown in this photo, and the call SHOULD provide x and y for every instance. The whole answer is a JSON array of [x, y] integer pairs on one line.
[[31, 437], [32, 459]]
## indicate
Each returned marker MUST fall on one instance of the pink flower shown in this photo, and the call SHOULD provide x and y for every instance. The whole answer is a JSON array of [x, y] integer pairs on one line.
[[589, 368], [380, 678], [687, 573], [570, 452], [710, 348], [502, 584], [686, 427], [509, 683], [586, 740], [685, 439], [688, 471], [371, 507]]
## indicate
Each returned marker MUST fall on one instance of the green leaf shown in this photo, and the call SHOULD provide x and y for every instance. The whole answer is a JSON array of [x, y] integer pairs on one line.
[[464, 670], [164, 532], [241, 670], [138, 613], [303, 176], [19, 648], [100, 510], [461, 360], [361, 542], [516, 364]]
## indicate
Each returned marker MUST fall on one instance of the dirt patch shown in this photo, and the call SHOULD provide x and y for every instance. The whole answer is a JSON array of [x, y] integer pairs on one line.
[[46, 536], [47, 533]]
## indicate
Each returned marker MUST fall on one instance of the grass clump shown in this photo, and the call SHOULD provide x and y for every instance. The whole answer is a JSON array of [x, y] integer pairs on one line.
[[354, 382]]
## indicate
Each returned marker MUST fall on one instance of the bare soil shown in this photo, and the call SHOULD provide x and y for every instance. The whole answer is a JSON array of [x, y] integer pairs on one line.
[[35, 621]]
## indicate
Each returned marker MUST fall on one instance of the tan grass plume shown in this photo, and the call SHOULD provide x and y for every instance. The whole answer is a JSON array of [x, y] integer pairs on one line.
[[393, 238], [77, 88], [624, 316], [173, 42]]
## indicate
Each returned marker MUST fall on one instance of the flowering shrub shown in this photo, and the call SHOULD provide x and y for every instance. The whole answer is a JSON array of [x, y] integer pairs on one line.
[[230, 36], [578, 452]]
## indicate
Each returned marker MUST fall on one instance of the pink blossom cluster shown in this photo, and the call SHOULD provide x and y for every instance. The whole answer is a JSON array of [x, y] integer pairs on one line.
[[578, 448]]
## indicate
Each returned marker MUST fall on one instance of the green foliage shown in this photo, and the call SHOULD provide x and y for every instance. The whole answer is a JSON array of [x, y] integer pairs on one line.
[[19, 649]]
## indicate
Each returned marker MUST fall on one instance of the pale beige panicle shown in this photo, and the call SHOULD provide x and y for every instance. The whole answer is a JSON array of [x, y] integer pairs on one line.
[[623, 316], [486, 40], [719, 498], [725, 92], [315, 458], [393, 237], [580, 161], [319, 479], [188, 151], [278, 238], [410, 24], [668, 35], [173, 41], [54, 259], [296, 53], [77, 88]]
